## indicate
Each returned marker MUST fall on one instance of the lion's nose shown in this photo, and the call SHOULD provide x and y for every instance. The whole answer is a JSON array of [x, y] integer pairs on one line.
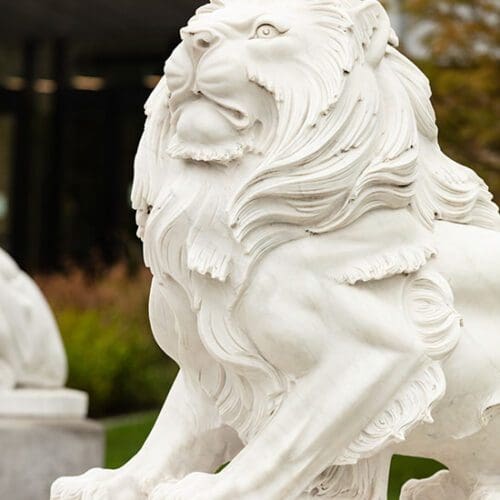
[[202, 40]]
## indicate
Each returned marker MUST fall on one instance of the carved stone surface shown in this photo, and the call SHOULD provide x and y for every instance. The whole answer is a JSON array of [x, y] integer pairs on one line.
[[31, 350], [327, 279]]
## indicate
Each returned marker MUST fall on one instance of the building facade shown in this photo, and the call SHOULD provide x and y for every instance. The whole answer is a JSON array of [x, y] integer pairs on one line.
[[73, 79]]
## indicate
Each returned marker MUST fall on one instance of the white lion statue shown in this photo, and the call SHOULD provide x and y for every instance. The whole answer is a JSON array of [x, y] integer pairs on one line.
[[326, 278], [31, 350]]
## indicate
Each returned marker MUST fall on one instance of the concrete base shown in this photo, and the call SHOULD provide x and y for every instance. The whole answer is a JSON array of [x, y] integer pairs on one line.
[[35, 452]]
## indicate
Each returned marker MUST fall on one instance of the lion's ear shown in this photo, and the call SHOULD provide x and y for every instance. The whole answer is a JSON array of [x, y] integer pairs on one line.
[[373, 28]]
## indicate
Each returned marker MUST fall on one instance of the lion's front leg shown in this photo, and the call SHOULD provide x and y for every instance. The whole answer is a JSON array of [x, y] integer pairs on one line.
[[188, 436], [325, 412]]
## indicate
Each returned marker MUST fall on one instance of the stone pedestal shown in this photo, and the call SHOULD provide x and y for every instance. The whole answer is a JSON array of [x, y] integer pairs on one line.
[[44, 403], [35, 452], [44, 435]]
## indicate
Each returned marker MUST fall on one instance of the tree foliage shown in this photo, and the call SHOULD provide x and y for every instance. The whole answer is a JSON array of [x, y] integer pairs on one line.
[[463, 64]]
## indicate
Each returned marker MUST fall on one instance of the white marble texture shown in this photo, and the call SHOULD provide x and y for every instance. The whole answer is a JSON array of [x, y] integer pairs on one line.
[[31, 350], [326, 278]]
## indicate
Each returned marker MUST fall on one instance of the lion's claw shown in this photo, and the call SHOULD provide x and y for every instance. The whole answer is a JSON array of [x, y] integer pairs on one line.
[[97, 484], [72, 488]]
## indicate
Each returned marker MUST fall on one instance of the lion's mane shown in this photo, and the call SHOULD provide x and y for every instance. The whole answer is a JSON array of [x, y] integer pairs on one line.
[[351, 140]]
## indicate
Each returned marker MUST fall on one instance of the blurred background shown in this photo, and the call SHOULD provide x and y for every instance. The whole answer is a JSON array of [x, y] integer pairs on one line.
[[73, 79]]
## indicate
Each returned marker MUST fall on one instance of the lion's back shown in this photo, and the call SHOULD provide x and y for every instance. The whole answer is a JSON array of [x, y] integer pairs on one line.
[[469, 257]]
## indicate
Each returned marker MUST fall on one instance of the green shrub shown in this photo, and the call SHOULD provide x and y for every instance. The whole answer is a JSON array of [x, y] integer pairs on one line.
[[114, 360], [111, 352]]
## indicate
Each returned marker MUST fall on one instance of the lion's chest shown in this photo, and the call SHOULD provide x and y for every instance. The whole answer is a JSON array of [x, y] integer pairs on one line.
[[286, 311], [187, 236]]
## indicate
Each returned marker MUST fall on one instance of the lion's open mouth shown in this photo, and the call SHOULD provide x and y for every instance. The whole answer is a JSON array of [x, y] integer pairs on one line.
[[210, 129]]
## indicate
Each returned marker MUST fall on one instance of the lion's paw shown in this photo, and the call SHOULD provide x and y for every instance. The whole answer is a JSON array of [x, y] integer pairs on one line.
[[70, 488], [97, 484]]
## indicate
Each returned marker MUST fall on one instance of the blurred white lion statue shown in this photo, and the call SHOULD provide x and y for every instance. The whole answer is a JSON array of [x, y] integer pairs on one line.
[[31, 350], [326, 278]]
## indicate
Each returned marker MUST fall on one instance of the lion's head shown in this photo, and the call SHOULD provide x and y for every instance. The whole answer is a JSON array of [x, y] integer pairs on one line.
[[267, 75], [340, 121]]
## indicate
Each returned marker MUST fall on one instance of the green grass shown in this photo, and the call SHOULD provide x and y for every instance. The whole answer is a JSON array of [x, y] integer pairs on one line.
[[125, 436], [404, 468]]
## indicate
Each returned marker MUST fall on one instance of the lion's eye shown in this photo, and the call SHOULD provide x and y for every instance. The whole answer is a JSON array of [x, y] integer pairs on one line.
[[267, 31]]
